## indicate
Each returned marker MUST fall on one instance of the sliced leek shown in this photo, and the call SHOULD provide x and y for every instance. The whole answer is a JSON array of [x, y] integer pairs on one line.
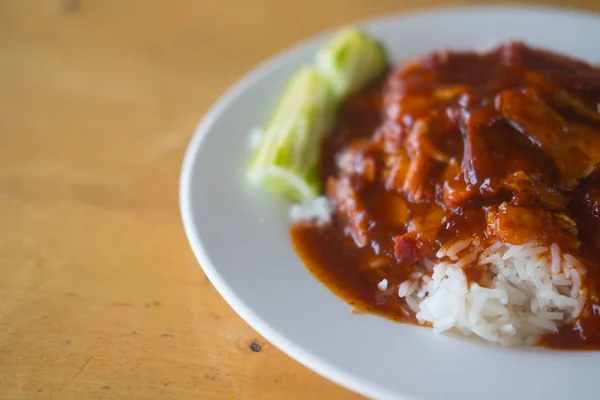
[[285, 160]]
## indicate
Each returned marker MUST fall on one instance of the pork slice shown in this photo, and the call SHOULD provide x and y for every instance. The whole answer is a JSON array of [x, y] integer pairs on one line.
[[350, 208], [575, 149], [518, 225]]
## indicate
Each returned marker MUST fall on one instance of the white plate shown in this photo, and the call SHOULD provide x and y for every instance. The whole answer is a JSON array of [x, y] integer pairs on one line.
[[239, 235]]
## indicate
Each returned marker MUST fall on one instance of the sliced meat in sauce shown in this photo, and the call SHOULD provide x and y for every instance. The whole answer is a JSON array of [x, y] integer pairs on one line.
[[497, 146]]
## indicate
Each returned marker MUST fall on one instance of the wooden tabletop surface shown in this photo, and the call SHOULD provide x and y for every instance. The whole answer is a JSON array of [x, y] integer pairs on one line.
[[100, 295]]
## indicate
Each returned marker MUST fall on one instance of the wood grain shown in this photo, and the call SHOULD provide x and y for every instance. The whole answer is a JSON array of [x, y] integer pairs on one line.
[[100, 295]]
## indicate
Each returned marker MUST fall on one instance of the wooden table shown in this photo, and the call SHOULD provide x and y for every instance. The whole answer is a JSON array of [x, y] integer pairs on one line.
[[100, 295]]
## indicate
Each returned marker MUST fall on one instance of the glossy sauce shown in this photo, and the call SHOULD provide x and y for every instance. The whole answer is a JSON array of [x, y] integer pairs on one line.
[[442, 150]]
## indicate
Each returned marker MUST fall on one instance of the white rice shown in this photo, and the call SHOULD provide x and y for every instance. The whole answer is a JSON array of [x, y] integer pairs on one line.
[[318, 210], [534, 289], [383, 285]]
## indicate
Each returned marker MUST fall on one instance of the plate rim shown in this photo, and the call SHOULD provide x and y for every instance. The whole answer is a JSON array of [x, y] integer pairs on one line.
[[259, 70]]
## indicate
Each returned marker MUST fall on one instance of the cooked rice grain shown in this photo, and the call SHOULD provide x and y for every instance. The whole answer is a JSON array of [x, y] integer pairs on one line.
[[533, 291]]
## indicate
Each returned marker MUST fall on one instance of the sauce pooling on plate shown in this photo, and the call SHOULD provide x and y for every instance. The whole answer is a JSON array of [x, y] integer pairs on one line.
[[452, 159]]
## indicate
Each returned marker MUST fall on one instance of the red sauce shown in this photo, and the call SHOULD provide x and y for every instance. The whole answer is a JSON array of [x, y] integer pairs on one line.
[[501, 146]]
